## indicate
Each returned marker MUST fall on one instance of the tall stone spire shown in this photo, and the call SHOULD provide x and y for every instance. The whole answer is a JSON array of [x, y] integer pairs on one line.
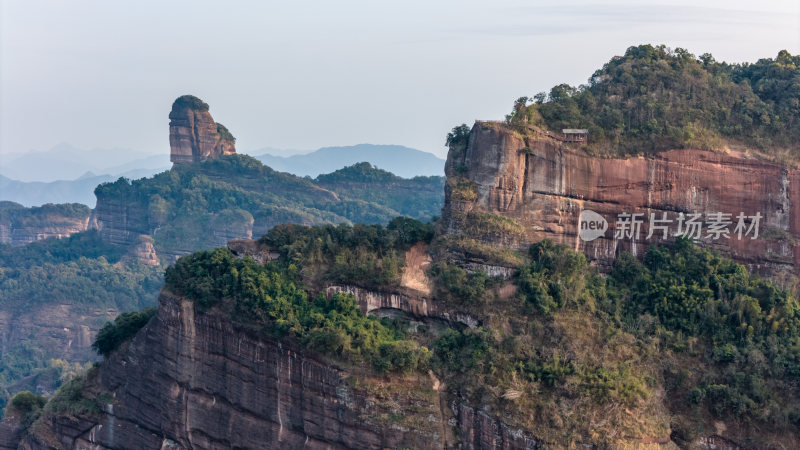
[[193, 134]]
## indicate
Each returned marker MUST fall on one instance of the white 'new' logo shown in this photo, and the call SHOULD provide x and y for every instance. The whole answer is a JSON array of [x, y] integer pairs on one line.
[[591, 225]]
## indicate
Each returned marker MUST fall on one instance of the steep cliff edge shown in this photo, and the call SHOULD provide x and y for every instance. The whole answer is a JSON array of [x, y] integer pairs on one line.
[[193, 134], [531, 186], [194, 379], [20, 225]]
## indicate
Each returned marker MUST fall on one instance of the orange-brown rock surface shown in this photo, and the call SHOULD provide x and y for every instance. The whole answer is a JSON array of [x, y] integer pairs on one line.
[[543, 185], [193, 134]]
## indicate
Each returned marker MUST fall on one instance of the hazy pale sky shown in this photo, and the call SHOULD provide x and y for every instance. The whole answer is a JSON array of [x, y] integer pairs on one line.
[[306, 74]]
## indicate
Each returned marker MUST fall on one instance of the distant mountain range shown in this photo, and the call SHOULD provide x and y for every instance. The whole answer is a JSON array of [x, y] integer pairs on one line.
[[79, 190], [402, 161], [65, 162], [65, 174]]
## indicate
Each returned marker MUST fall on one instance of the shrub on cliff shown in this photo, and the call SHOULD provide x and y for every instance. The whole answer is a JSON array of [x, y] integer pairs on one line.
[[224, 133], [555, 276], [123, 328], [455, 284], [189, 102], [458, 136], [29, 405]]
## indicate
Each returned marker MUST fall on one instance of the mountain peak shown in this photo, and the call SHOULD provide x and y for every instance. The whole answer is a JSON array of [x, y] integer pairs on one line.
[[193, 134]]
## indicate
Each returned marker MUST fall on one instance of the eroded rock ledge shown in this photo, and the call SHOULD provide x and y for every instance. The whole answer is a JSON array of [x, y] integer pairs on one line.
[[541, 185]]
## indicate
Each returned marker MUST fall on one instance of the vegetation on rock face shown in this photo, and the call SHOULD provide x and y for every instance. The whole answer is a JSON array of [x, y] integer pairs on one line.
[[237, 193], [123, 328], [722, 344], [653, 98], [275, 297], [707, 306], [189, 102], [49, 214], [369, 256], [456, 285], [29, 406], [224, 134], [81, 271]]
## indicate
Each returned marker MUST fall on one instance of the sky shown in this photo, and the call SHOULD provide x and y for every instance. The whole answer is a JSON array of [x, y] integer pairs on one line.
[[308, 74]]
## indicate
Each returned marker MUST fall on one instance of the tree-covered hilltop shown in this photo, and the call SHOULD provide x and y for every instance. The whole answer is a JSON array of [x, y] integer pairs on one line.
[[420, 197], [654, 98], [48, 214], [284, 297], [196, 206]]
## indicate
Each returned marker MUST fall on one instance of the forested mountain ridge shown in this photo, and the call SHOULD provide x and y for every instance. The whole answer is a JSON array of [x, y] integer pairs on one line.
[[57, 293], [496, 327], [653, 98], [206, 204]]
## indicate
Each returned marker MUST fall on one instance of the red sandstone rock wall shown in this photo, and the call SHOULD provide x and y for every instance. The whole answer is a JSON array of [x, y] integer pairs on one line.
[[544, 184], [196, 380], [193, 135]]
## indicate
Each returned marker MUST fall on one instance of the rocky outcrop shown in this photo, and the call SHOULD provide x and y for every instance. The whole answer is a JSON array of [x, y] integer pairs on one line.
[[193, 379], [20, 226], [197, 380], [11, 429], [247, 247], [56, 330], [144, 253], [120, 219], [541, 185], [193, 134]]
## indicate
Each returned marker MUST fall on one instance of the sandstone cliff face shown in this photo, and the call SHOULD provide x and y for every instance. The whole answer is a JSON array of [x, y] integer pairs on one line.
[[193, 134], [20, 226], [193, 379], [120, 219], [543, 185], [196, 380], [61, 331]]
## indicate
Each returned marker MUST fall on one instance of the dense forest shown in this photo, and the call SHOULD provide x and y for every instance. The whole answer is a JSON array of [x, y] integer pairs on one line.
[[653, 98], [16, 215], [720, 343], [278, 297], [191, 206], [81, 271], [684, 337]]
